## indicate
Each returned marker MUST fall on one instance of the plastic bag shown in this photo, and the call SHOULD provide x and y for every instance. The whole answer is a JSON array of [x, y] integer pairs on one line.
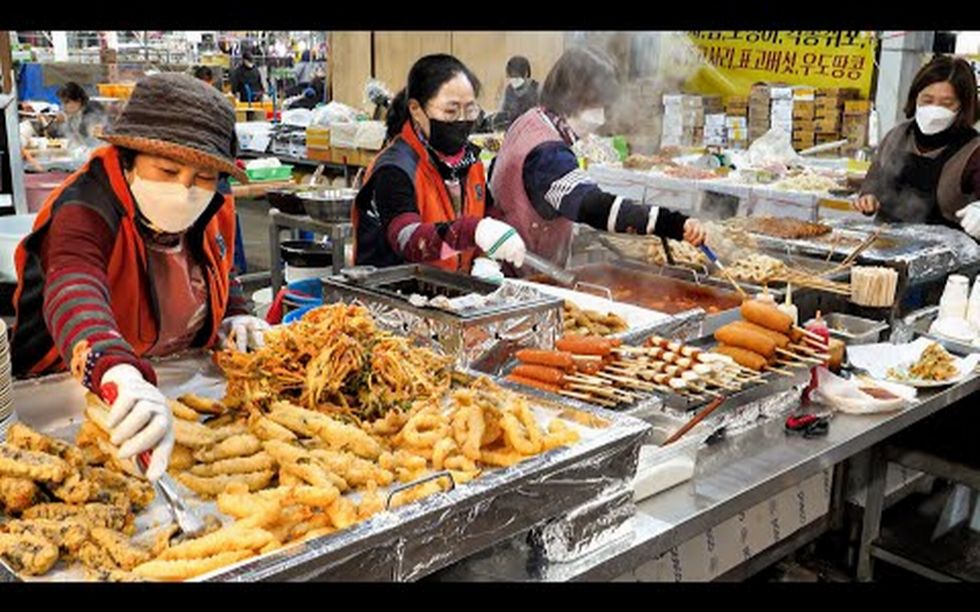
[[846, 395], [300, 117], [334, 112], [773, 147]]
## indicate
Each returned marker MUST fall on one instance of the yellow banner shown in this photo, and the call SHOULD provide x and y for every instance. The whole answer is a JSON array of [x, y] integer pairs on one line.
[[734, 60]]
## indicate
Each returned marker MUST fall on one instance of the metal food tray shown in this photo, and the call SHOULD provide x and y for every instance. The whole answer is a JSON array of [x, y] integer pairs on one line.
[[518, 317], [410, 541]]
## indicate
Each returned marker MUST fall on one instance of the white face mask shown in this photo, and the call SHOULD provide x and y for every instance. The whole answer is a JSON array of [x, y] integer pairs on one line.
[[933, 119], [169, 207], [588, 121], [516, 82]]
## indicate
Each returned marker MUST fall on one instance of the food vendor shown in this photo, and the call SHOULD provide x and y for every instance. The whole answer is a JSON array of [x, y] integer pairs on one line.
[[520, 95], [424, 196], [927, 169], [81, 120], [536, 182], [131, 257]]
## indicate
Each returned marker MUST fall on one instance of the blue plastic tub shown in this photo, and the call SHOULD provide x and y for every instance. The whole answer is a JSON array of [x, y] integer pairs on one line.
[[306, 292], [295, 315]]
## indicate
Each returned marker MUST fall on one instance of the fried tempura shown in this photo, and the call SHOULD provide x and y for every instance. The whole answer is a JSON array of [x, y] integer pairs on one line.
[[337, 435], [241, 445], [68, 534], [30, 554], [193, 435], [17, 494], [25, 438], [236, 465], [20, 463], [123, 552], [231, 538], [99, 515], [267, 429], [214, 485], [202, 405], [182, 569], [182, 411]]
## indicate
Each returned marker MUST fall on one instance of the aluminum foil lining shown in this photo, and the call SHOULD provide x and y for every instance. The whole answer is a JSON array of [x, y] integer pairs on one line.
[[584, 529], [744, 417], [931, 251], [469, 341], [414, 540]]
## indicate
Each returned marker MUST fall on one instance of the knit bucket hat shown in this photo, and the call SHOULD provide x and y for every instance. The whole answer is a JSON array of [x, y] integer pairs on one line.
[[177, 116]]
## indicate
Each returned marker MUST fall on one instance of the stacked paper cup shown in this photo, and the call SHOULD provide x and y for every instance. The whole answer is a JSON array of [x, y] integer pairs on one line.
[[6, 391]]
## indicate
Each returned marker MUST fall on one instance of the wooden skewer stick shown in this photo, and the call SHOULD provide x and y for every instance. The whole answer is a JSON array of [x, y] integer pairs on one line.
[[808, 350], [800, 357], [779, 371], [631, 382], [587, 357], [809, 334], [697, 419], [791, 364], [722, 385], [585, 397], [595, 390]]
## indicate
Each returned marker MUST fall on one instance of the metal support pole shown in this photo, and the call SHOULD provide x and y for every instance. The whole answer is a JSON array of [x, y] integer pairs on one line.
[[873, 508]]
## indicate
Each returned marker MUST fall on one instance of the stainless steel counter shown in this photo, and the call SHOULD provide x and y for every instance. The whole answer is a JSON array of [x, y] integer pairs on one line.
[[732, 476]]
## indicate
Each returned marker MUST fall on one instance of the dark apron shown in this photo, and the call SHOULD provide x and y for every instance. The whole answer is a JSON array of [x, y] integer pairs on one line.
[[909, 188]]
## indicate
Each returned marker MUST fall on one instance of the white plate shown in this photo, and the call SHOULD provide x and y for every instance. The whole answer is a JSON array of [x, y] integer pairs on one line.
[[925, 384]]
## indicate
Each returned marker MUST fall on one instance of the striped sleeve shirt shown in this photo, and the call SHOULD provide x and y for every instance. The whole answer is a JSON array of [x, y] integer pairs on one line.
[[75, 255], [557, 187]]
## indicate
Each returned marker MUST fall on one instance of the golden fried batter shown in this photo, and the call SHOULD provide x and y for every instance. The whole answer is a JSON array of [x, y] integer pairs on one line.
[[337, 435], [122, 551], [233, 537], [182, 569], [182, 458], [235, 465], [21, 463], [29, 554], [24, 437], [214, 485], [182, 411], [99, 515], [75, 489], [202, 405], [68, 534], [356, 471], [193, 435], [267, 429], [17, 494], [241, 445]]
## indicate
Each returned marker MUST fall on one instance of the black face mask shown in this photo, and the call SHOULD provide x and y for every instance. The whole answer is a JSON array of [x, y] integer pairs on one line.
[[449, 137]]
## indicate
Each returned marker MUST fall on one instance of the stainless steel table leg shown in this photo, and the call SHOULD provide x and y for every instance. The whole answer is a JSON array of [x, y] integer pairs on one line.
[[275, 257], [339, 247], [873, 507]]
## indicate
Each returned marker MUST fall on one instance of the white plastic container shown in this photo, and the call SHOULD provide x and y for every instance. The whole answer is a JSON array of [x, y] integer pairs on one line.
[[956, 295], [973, 307], [662, 467], [13, 229]]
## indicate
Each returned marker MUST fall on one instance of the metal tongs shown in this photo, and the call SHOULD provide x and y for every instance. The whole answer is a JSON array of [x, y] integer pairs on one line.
[[714, 259], [549, 269], [190, 523]]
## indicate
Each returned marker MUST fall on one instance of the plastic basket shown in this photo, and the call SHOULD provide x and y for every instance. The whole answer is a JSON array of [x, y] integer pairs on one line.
[[295, 315], [279, 173]]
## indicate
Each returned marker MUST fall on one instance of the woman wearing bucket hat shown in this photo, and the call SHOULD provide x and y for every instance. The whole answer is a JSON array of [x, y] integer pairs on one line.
[[132, 257]]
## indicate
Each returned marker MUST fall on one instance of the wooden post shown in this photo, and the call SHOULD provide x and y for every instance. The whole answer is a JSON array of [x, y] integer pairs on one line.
[[6, 62]]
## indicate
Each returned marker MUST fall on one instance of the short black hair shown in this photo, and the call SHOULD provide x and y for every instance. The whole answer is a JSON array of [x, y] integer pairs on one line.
[[518, 67], [203, 73], [958, 73], [246, 56], [583, 77], [73, 92]]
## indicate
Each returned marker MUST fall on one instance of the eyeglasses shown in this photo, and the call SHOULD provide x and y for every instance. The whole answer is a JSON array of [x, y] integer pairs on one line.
[[471, 112]]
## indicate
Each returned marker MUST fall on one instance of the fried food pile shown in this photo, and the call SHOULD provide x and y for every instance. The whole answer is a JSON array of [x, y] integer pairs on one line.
[[61, 502], [334, 360], [590, 322], [683, 253], [935, 363], [282, 473]]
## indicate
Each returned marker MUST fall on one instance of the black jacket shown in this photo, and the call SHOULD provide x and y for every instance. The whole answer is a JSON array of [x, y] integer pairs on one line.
[[241, 76]]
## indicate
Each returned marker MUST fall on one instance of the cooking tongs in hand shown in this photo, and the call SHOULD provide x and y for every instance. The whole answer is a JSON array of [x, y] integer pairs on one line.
[[189, 522]]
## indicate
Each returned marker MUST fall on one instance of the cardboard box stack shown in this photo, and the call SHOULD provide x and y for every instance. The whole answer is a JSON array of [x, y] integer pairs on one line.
[[854, 126], [737, 121], [804, 108], [829, 104], [781, 108], [683, 124], [759, 116]]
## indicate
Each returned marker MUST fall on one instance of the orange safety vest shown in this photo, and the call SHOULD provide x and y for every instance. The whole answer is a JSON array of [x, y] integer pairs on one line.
[[431, 196], [100, 184]]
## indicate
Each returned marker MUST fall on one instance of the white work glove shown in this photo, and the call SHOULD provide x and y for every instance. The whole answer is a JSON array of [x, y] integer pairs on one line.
[[139, 418], [248, 331], [500, 241], [969, 217], [487, 269]]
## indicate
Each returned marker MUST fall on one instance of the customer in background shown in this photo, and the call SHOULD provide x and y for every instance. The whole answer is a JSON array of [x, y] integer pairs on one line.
[[520, 95], [246, 80], [204, 73]]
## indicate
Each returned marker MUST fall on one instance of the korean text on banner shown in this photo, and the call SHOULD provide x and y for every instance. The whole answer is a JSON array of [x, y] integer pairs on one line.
[[734, 60]]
